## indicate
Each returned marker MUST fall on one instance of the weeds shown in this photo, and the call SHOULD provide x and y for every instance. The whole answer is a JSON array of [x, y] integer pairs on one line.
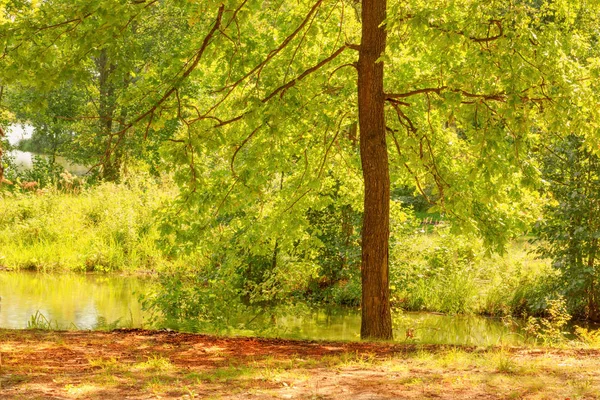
[[109, 227], [505, 363], [39, 321], [550, 330], [113, 227], [587, 336]]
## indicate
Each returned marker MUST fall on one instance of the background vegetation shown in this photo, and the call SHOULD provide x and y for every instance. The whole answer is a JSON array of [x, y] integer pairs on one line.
[[227, 158]]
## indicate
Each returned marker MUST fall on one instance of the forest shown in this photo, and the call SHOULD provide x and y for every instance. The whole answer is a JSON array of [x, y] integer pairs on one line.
[[414, 184]]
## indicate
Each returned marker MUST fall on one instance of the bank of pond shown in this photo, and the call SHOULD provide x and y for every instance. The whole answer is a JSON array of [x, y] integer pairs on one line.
[[93, 301]]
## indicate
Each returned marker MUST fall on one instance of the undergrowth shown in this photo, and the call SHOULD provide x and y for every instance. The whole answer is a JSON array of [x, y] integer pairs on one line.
[[114, 228], [104, 228]]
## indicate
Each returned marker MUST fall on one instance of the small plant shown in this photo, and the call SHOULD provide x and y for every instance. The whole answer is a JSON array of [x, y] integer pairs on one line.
[[104, 325], [506, 364], [39, 321], [551, 329], [587, 336], [404, 326], [155, 363]]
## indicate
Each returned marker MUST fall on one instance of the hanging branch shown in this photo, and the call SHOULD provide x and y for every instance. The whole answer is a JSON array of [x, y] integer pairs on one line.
[[303, 75], [499, 97], [282, 89], [237, 150], [492, 22], [231, 87]]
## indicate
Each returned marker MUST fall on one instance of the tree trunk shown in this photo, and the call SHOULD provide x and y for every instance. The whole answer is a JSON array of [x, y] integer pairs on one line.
[[111, 162], [593, 310], [376, 315]]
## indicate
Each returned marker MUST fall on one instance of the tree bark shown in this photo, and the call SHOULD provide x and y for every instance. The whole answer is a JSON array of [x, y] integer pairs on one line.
[[593, 309], [376, 314], [111, 163]]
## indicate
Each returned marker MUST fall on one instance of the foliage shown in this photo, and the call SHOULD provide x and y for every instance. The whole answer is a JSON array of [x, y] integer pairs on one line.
[[252, 107], [442, 277], [590, 337], [451, 273], [49, 114], [7, 166], [91, 83], [43, 171], [551, 329], [270, 110], [570, 229], [113, 227]]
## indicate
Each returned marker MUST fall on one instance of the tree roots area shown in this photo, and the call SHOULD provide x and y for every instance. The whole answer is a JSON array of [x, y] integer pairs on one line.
[[140, 364]]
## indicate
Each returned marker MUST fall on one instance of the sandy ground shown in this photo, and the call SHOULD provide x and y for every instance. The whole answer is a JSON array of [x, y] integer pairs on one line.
[[138, 364]]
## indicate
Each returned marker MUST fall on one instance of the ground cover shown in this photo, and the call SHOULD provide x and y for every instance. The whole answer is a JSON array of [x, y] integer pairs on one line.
[[139, 364]]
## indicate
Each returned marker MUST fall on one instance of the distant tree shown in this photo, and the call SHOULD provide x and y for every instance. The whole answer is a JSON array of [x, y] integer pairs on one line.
[[78, 96], [50, 114]]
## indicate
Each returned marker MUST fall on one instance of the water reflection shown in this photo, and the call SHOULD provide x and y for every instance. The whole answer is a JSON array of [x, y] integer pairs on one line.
[[413, 327], [82, 300], [88, 301], [24, 160]]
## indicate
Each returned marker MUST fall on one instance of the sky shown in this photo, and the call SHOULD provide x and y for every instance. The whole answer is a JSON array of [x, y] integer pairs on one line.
[[18, 132]]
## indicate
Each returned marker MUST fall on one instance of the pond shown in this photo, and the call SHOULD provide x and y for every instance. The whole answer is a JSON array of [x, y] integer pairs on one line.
[[24, 159], [75, 301]]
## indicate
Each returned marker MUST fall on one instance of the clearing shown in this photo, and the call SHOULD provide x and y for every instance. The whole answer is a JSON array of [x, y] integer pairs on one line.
[[140, 364]]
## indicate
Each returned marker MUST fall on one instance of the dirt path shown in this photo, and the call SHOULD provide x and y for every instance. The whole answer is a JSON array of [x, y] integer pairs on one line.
[[137, 364]]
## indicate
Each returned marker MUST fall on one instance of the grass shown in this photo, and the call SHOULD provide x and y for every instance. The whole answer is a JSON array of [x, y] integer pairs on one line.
[[109, 227], [453, 274]]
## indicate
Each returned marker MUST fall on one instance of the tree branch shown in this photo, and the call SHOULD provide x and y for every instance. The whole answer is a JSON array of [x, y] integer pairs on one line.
[[275, 51], [439, 90], [495, 22], [169, 92], [303, 75]]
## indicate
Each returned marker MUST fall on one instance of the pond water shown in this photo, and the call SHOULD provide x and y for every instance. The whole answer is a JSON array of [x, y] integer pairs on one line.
[[94, 301], [24, 159]]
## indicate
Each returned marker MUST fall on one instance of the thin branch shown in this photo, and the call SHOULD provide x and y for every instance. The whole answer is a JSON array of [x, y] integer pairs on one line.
[[487, 39], [303, 75], [240, 147], [189, 70], [275, 51], [78, 20], [296, 201], [168, 93], [439, 90], [218, 209], [262, 64]]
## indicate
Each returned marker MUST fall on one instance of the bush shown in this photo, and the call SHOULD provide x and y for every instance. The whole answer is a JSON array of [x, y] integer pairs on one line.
[[451, 273]]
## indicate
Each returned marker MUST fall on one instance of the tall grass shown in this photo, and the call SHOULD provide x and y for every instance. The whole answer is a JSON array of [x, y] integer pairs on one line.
[[454, 274], [109, 227]]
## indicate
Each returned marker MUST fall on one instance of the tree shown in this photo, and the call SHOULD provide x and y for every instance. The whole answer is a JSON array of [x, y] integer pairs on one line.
[[85, 90], [570, 229], [268, 91], [50, 115]]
